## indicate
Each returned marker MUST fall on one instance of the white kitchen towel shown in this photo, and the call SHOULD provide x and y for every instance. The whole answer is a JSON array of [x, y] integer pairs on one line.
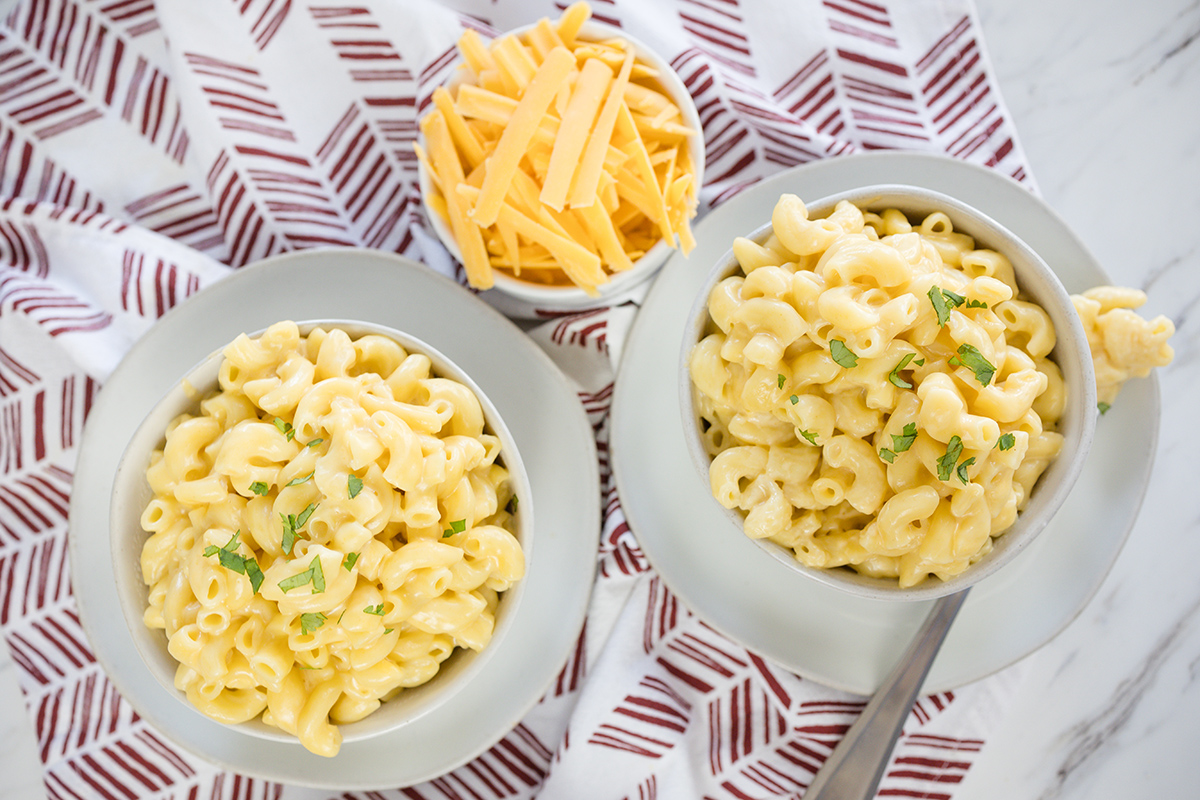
[[147, 150]]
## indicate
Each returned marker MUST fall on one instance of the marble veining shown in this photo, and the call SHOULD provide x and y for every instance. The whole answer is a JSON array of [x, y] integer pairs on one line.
[[1090, 738]]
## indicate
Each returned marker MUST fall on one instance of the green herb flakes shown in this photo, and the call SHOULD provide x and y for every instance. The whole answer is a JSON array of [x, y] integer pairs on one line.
[[229, 559], [887, 455], [842, 354], [970, 357], [962, 470], [354, 484], [260, 488], [1104, 407], [894, 375], [940, 307], [318, 575], [1006, 441], [946, 463], [457, 526], [810, 436], [310, 622], [285, 428], [296, 581], [298, 481], [376, 610], [348, 561], [780, 381], [908, 435]]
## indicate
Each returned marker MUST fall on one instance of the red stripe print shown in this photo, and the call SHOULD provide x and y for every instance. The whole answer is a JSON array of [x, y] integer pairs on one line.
[[92, 45], [152, 287], [265, 17], [183, 213], [717, 32]]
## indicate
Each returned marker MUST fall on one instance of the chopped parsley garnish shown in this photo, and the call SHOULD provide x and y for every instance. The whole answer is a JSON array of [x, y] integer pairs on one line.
[[842, 354], [314, 442], [887, 455], [946, 463], [253, 572], [318, 575], [310, 622], [285, 428], [976, 304], [781, 380], [386, 631], [296, 581], [943, 301], [348, 561], [298, 481], [305, 514], [905, 440], [260, 488], [230, 546], [354, 484], [458, 526], [1006, 441], [894, 376], [513, 502], [314, 575], [962, 470], [292, 523], [794, 399], [1104, 407], [970, 357], [376, 610], [810, 436], [229, 559]]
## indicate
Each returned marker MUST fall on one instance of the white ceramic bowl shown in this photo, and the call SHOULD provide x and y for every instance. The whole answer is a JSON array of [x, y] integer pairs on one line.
[[572, 298], [131, 493], [1038, 282]]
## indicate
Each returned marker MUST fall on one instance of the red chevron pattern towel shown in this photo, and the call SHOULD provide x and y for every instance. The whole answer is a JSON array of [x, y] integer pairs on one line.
[[148, 149]]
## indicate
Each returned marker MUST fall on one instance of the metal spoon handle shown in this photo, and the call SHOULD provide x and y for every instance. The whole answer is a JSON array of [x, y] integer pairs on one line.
[[854, 768]]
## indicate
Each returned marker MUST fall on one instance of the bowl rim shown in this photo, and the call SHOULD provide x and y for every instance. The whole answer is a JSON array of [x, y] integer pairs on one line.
[[570, 297], [1078, 375], [184, 396]]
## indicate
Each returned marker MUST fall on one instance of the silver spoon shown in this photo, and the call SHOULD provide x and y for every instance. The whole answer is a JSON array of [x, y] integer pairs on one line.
[[854, 768]]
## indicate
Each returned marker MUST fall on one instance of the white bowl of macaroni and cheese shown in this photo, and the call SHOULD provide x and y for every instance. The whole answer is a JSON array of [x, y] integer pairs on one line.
[[319, 535], [887, 391], [547, 210]]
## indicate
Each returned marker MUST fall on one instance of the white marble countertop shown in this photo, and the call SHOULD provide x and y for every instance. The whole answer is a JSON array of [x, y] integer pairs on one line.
[[1106, 99]]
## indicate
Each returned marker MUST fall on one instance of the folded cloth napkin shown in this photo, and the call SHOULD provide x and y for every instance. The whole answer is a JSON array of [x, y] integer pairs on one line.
[[148, 150]]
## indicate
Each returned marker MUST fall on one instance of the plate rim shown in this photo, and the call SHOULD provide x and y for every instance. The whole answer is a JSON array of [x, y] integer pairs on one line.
[[586, 510], [834, 167]]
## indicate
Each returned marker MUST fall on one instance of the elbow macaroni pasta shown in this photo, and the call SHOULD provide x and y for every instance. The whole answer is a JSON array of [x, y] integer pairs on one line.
[[1124, 345], [325, 532], [874, 392]]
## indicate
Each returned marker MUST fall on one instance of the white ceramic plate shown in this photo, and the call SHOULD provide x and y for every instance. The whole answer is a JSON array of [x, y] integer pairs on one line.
[[529, 392], [817, 631]]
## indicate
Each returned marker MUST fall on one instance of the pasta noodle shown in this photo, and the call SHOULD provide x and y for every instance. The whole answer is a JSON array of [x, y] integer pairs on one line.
[[325, 532], [874, 392], [1124, 345]]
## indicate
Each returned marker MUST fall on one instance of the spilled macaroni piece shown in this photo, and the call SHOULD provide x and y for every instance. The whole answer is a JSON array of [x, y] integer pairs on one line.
[[325, 532], [1124, 345]]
